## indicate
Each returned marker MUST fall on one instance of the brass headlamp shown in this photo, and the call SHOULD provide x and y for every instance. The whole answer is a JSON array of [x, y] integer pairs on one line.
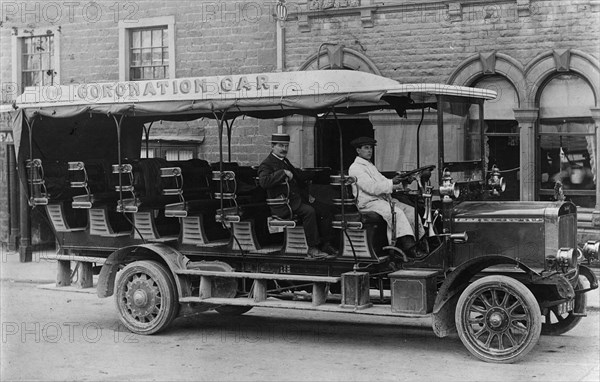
[[591, 250], [566, 257], [448, 188], [496, 183]]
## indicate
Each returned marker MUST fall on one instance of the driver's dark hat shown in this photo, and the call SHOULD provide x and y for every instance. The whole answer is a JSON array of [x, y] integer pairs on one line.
[[361, 141], [280, 138]]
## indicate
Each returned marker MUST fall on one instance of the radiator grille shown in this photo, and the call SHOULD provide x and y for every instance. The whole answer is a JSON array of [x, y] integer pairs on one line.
[[567, 231]]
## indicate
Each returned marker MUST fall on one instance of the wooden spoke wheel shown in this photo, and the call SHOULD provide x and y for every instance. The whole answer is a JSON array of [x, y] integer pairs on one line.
[[146, 297], [556, 324], [498, 319]]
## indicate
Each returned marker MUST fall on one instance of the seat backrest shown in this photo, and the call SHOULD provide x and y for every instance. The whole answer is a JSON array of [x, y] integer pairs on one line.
[[146, 177], [347, 194], [280, 204]]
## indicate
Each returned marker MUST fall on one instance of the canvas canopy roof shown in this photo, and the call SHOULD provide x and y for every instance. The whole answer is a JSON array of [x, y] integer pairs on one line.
[[262, 95]]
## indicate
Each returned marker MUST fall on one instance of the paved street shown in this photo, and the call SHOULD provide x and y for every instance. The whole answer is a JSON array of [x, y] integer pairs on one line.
[[60, 335]]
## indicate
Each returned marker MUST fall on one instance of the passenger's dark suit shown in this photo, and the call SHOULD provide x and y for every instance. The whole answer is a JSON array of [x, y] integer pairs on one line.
[[272, 178]]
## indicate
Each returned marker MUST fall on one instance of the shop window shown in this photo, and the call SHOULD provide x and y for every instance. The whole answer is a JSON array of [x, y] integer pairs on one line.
[[567, 140], [501, 133], [147, 49], [36, 60]]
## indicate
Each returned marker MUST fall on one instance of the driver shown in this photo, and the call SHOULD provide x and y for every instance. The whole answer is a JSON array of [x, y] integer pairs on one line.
[[374, 194]]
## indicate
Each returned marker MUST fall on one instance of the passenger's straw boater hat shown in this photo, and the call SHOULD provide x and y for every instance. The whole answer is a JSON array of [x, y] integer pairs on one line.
[[280, 138]]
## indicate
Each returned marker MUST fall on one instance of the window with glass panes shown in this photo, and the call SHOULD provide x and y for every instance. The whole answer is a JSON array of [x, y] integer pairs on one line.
[[37, 61], [149, 54], [567, 140]]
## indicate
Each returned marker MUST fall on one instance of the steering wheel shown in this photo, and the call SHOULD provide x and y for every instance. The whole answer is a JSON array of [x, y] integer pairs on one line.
[[407, 174]]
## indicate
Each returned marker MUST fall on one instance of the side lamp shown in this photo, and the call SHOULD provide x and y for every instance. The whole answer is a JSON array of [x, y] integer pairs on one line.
[[591, 250], [496, 182], [448, 188]]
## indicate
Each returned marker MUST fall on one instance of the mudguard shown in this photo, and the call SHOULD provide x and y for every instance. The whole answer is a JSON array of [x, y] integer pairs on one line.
[[173, 259], [588, 274], [447, 297]]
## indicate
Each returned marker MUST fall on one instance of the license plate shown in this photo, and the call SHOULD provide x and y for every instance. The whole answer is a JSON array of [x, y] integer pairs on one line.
[[566, 307]]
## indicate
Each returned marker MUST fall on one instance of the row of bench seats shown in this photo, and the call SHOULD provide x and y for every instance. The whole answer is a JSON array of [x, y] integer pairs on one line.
[[193, 201]]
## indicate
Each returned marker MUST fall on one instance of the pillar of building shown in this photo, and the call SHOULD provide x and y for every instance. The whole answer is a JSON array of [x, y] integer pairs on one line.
[[13, 199], [596, 213], [527, 119], [25, 249]]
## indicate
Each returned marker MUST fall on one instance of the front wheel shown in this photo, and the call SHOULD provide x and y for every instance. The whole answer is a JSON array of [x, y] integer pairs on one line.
[[146, 297], [498, 319]]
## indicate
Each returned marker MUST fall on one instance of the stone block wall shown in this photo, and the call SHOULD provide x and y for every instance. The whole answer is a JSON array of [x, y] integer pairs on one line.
[[211, 38], [425, 41]]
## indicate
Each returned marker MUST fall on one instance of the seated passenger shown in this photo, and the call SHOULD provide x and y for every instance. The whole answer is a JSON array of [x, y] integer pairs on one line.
[[272, 173], [374, 194]]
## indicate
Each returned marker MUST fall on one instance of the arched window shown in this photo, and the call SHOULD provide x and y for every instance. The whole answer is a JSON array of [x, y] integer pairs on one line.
[[501, 132], [566, 139]]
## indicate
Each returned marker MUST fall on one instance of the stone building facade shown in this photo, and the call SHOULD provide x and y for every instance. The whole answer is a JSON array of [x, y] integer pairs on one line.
[[541, 56]]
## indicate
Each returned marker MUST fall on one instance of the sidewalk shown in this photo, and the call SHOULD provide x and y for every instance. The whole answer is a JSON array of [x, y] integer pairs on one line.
[[38, 271], [43, 271]]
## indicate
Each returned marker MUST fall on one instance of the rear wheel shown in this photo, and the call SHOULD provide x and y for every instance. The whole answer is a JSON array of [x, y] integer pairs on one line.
[[556, 324], [146, 297], [498, 319]]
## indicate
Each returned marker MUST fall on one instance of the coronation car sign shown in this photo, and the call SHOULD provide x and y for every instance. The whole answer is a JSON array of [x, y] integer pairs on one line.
[[197, 88]]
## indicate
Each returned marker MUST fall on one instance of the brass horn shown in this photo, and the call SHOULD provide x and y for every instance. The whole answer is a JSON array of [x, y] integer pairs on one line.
[[427, 215]]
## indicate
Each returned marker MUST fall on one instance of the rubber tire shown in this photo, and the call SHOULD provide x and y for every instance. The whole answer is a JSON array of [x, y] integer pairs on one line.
[[519, 294], [570, 321], [232, 310], [169, 304]]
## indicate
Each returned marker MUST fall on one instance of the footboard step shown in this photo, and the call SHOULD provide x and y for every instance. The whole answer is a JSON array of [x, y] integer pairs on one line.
[[271, 302]]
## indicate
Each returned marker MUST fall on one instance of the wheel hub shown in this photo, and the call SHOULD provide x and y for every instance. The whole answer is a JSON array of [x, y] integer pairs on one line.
[[142, 298], [497, 319]]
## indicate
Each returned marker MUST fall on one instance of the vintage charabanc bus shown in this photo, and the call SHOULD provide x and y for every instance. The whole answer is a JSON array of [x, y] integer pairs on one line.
[[192, 236]]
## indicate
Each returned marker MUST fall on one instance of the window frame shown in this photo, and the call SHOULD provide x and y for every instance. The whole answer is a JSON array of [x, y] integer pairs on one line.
[[125, 29], [17, 38], [543, 193], [160, 148]]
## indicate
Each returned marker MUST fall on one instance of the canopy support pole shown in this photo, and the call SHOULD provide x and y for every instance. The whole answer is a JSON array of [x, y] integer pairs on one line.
[[229, 125], [147, 136], [343, 187], [220, 122], [118, 123], [440, 127], [419, 137]]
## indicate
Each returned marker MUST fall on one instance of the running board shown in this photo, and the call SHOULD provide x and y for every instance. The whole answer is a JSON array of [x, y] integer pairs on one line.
[[375, 310]]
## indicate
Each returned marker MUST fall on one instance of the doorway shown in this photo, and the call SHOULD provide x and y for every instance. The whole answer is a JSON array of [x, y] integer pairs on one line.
[[327, 150]]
